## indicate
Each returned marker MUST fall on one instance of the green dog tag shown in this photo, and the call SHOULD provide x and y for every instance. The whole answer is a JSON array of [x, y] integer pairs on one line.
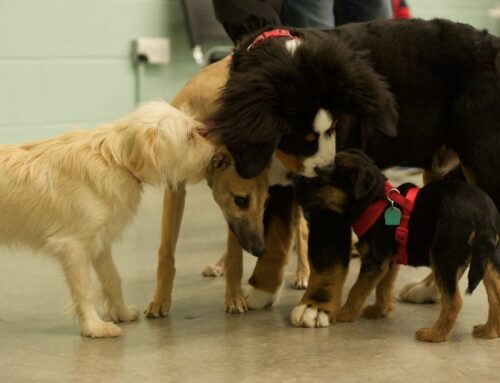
[[392, 216]]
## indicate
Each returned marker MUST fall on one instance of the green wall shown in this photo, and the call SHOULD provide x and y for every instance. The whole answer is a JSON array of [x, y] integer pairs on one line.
[[474, 12], [66, 63]]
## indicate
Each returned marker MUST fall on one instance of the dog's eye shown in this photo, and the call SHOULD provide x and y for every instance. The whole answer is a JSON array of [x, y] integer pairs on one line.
[[242, 202], [329, 132], [311, 137]]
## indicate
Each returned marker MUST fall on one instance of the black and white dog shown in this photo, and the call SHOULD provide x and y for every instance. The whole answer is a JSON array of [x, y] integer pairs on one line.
[[419, 93]]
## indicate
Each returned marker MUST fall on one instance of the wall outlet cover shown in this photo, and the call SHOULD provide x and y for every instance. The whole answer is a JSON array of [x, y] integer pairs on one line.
[[152, 50]]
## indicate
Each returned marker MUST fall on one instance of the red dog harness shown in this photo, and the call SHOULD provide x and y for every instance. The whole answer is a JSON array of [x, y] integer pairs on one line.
[[375, 210], [271, 35]]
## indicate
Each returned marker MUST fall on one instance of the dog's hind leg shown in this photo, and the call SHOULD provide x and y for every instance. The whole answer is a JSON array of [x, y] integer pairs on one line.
[[301, 236], [234, 301], [491, 329], [110, 280], [173, 209], [75, 263], [384, 300], [422, 291], [448, 255], [451, 303]]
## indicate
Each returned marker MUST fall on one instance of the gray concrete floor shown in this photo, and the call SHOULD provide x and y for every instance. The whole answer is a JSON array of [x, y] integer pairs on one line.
[[199, 342]]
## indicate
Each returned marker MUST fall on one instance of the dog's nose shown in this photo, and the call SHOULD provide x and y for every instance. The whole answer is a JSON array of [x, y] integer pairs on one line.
[[324, 171], [258, 250]]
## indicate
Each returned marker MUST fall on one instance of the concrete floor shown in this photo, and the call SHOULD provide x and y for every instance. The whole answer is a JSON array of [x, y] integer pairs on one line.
[[200, 343]]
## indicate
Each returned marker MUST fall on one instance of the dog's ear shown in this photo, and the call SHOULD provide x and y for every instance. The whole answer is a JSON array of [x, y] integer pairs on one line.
[[365, 183], [220, 161], [365, 177], [250, 122], [344, 81], [251, 159], [359, 153], [372, 102]]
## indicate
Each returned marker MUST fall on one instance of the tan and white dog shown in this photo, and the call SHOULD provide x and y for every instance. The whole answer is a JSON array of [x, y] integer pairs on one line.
[[71, 196], [200, 96]]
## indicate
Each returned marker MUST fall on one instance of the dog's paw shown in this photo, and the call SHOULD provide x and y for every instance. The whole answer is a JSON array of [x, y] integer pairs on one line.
[[301, 281], [346, 315], [376, 311], [258, 299], [309, 316], [484, 331], [213, 271], [419, 292], [122, 314], [157, 309], [235, 305], [100, 329], [429, 334]]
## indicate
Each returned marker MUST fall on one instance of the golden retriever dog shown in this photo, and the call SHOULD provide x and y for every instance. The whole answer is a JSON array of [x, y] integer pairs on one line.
[[71, 196]]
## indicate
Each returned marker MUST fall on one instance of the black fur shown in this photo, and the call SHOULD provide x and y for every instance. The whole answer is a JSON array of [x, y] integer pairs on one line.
[[321, 295], [446, 214], [444, 76], [279, 205], [328, 253]]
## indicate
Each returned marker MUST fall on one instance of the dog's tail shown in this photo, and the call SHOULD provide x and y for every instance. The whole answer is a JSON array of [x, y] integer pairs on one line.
[[486, 248]]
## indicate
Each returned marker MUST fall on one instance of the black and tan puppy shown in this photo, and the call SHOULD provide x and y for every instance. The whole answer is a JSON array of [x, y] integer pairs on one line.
[[453, 224]]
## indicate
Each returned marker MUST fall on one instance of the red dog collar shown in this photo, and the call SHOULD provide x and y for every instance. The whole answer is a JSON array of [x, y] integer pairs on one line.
[[375, 211], [270, 35]]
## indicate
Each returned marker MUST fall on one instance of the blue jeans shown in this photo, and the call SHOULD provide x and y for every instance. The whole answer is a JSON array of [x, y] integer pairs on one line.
[[329, 13]]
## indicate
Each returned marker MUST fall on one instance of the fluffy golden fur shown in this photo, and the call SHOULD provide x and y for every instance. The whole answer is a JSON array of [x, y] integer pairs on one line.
[[71, 196]]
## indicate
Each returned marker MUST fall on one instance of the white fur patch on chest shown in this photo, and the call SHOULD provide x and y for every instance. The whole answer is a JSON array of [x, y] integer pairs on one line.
[[325, 154]]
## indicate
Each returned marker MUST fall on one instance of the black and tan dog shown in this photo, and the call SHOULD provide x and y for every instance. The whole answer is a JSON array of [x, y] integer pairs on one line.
[[452, 224]]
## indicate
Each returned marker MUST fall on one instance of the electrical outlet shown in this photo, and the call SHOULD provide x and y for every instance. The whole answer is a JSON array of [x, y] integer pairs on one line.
[[152, 50]]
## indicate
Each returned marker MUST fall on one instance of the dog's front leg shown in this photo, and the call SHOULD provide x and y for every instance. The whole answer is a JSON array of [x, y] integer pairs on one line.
[[110, 280], [301, 236], [235, 301], [369, 276], [267, 278], [173, 209], [384, 295], [75, 263], [329, 252]]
